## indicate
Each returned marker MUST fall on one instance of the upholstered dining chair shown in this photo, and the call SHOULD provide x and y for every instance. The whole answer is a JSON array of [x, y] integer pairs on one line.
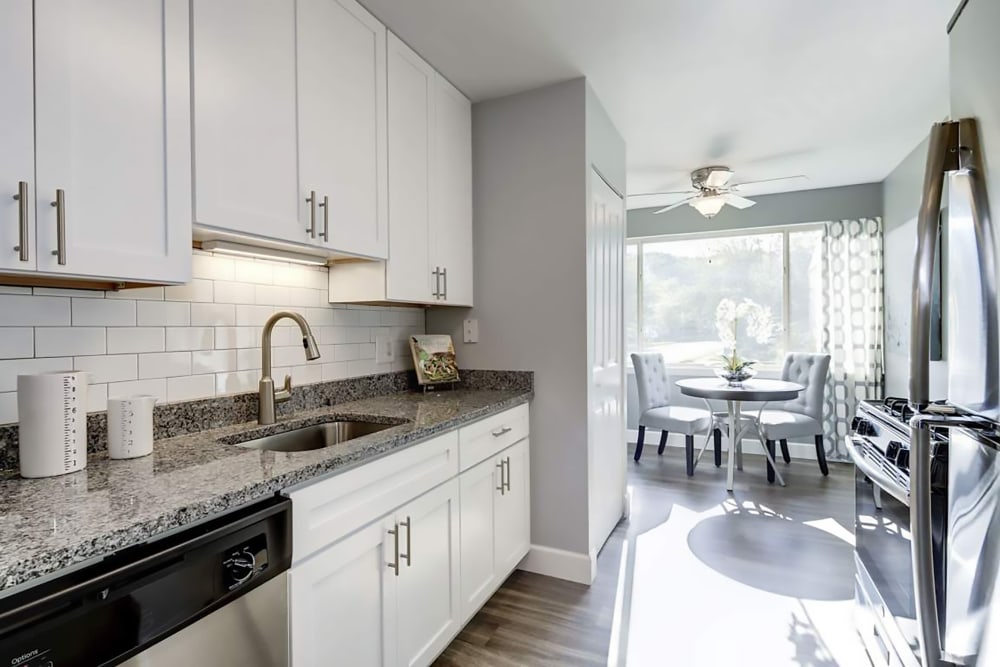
[[801, 416], [655, 411]]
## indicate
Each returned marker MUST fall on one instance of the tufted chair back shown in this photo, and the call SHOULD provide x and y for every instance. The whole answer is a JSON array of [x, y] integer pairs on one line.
[[651, 380], [810, 371]]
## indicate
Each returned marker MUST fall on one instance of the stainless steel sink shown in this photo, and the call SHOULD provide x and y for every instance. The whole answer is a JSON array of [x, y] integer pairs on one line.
[[316, 436]]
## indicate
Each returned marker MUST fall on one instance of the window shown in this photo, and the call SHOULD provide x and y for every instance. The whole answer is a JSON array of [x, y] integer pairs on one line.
[[674, 284]]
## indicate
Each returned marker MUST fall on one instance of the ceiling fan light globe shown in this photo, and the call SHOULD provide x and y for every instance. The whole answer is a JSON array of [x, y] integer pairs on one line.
[[708, 206]]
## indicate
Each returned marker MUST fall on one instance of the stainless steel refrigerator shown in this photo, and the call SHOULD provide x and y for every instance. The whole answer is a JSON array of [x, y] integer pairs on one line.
[[963, 170]]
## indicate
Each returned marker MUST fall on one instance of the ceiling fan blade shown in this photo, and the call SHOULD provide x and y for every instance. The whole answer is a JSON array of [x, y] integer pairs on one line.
[[771, 180], [676, 205], [718, 178], [672, 192], [737, 201]]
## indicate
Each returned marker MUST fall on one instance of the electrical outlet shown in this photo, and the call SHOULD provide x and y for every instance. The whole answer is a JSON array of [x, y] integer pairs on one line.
[[470, 331], [385, 350]]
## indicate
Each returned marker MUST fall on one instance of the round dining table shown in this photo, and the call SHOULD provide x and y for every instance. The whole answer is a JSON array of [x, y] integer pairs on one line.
[[748, 391]]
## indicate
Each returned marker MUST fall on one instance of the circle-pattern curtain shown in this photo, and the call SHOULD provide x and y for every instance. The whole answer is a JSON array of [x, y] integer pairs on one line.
[[853, 325]]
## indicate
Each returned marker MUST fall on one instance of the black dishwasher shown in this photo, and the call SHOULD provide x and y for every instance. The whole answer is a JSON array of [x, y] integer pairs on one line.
[[215, 593]]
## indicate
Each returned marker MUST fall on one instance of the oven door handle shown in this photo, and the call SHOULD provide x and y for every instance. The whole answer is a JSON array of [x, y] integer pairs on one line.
[[876, 475]]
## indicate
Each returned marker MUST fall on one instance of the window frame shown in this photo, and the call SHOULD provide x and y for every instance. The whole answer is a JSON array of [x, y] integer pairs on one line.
[[784, 230]]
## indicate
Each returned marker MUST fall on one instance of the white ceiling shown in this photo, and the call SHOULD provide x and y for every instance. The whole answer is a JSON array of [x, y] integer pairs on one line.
[[839, 90]]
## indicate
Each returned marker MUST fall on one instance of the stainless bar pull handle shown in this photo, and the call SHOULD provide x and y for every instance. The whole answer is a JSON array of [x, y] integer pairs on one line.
[[325, 205], [503, 431], [444, 275], [507, 466], [409, 547], [437, 282], [394, 565], [311, 200], [60, 206], [22, 220], [501, 487]]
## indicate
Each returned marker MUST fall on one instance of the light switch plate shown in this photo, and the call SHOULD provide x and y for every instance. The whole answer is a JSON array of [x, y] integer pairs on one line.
[[470, 329], [385, 350]]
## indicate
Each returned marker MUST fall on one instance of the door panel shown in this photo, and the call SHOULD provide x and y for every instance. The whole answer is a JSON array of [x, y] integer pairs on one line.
[[428, 606], [17, 131], [605, 246], [451, 205], [343, 602], [246, 160], [513, 522], [411, 94], [479, 500], [342, 123], [113, 131]]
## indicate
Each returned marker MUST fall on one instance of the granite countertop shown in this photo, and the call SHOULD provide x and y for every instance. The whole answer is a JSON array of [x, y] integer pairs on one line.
[[50, 524]]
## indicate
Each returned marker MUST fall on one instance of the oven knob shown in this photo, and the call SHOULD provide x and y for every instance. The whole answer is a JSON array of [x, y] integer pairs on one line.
[[903, 459], [863, 427], [238, 568]]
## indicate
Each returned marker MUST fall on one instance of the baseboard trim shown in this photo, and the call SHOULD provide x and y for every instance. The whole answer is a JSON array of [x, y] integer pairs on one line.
[[561, 564], [796, 450]]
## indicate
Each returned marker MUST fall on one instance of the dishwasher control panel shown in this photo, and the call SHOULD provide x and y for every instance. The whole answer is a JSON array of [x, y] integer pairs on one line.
[[243, 562]]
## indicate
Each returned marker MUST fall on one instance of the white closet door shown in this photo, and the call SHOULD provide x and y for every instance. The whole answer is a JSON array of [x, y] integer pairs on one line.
[[112, 128], [245, 152], [342, 123], [411, 95], [17, 134]]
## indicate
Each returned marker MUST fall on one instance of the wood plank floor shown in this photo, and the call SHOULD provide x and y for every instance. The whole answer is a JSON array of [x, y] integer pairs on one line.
[[699, 576]]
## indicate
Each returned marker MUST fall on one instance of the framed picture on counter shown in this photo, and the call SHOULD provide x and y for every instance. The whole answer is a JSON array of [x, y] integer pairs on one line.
[[434, 359]]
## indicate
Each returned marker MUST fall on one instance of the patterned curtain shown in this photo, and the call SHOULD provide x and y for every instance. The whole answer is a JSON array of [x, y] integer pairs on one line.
[[852, 323]]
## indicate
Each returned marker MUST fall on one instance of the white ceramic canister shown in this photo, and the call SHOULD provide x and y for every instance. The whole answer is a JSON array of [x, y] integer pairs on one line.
[[52, 423], [130, 426]]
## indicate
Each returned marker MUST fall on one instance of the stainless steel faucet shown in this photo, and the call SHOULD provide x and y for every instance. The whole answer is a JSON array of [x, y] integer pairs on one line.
[[268, 396]]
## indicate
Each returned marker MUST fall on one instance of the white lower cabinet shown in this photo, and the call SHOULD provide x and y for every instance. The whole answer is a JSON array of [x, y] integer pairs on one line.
[[396, 590]]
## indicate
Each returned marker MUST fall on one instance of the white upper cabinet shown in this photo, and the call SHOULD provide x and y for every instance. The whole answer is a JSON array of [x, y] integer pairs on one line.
[[245, 138], [411, 98], [107, 161], [342, 125], [451, 201], [17, 137]]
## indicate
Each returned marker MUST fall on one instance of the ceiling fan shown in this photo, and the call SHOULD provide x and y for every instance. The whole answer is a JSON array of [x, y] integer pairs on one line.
[[711, 190]]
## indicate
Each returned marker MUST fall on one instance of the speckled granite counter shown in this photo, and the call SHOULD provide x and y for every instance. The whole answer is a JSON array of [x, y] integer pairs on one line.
[[50, 524]]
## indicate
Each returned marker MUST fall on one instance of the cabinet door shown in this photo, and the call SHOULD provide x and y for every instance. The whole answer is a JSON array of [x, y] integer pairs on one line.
[[343, 602], [451, 205], [112, 122], [513, 519], [342, 123], [245, 148], [479, 495], [428, 600], [411, 95], [17, 134]]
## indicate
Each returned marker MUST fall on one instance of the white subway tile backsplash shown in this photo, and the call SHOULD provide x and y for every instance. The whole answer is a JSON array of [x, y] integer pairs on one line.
[[213, 314], [63, 341], [156, 387], [97, 398], [10, 369], [190, 387], [124, 340], [103, 313], [17, 310], [164, 365], [196, 291], [109, 368], [16, 343], [190, 338], [195, 340], [163, 314]]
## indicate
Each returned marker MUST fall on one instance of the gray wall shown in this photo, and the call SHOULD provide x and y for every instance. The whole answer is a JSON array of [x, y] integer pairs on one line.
[[788, 208], [529, 198], [902, 189]]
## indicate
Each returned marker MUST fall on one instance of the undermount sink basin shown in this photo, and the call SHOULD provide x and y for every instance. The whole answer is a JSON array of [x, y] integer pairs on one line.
[[316, 436]]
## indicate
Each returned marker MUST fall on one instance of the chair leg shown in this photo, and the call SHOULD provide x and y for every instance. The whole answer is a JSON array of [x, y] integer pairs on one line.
[[784, 451], [638, 442], [718, 447], [689, 454], [663, 443], [821, 455], [770, 470]]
